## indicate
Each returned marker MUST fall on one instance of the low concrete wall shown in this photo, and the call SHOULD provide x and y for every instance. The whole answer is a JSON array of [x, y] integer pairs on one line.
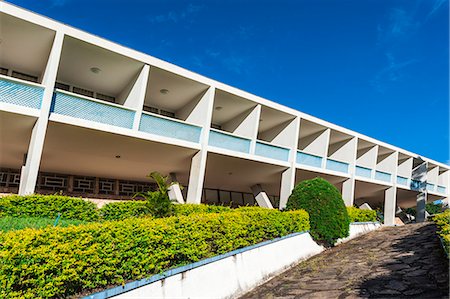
[[359, 228], [224, 276]]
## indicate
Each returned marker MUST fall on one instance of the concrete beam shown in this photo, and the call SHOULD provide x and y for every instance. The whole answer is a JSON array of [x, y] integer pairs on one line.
[[261, 197]]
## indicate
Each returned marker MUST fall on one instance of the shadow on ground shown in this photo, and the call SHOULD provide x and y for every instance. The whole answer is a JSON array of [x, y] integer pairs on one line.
[[414, 266]]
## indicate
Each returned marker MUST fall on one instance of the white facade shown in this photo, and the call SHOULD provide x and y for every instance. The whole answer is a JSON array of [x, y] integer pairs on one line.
[[100, 110]]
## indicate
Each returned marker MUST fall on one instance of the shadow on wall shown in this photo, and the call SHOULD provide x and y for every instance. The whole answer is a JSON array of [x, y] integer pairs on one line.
[[417, 268]]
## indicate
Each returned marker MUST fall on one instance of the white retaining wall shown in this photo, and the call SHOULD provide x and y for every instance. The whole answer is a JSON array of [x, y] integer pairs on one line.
[[359, 228]]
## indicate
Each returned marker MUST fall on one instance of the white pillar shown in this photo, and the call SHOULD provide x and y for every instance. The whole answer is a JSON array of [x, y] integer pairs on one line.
[[291, 133], [198, 164], [30, 171], [348, 191], [136, 96], [287, 185], [390, 205]]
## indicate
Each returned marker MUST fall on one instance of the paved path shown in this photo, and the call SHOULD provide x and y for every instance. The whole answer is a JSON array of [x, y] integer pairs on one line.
[[400, 262]]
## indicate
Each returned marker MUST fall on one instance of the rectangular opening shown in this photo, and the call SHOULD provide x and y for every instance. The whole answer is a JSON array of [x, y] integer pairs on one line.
[[24, 76]]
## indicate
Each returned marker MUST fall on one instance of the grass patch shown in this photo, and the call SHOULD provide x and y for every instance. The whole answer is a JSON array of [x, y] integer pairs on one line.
[[9, 223]]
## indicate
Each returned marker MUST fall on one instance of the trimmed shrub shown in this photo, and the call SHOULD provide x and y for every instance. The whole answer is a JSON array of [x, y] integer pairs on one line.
[[59, 262], [188, 209], [48, 206], [358, 215], [124, 209], [443, 223], [328, 215], [9, 223]]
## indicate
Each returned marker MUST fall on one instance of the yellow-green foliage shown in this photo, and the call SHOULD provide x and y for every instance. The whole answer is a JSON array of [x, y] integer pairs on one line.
[[48, 206], [58, 262], [358, 215], [124, 209], [187, 209], [443, 223]]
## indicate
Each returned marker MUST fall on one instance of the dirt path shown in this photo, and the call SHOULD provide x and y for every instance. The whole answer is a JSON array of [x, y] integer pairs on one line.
[[393, 262]]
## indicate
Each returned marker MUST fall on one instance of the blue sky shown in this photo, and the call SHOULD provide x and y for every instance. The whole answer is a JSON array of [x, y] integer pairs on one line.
[[378, 67]]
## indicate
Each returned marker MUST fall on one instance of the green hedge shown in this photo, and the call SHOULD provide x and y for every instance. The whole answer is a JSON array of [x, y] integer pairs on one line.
[[59, 262], [443, 223], [124, 209], [9, 223], [48, 206], [188, 209], [358, 215], [328, 215]]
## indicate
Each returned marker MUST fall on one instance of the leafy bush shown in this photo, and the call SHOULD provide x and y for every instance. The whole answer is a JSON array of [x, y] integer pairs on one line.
[[328, 216], [9, 223], [358, 215], [188, 209], [124, 209], [158, 202], [59, 262], [431, 208], [48, 206], [443, 223]]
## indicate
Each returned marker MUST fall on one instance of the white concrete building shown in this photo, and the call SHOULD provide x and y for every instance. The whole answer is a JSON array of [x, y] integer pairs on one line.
[[85, 116]]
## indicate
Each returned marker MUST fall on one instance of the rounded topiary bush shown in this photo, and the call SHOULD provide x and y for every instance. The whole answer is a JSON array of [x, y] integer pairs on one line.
[[328, 216]]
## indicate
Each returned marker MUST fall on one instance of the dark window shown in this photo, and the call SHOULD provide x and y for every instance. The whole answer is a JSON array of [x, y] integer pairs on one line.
[[25, 77]]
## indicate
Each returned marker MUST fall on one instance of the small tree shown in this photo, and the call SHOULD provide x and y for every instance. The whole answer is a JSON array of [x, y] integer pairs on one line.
[[158, 201], [328, 216]]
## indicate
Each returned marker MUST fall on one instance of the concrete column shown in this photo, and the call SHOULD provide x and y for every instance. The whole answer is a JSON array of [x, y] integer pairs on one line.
[[202, 112], [29, 171], [420, 206], [390, 205], [197, 177], [261, 197], [288, 176], [287, 185], [348, 191]]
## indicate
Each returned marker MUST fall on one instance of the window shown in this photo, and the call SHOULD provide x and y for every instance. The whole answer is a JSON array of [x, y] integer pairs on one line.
[[83, 92], [106, 98], [62, 86], [25, 77]]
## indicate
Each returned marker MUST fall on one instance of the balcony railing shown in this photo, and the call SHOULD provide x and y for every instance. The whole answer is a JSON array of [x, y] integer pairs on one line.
[[402, 181], [441, 189], [308, 159], [337, 165], [382, 176], [164, 126], [228, 141], [21, 93], [271, 151], [82, 107], [363, 171], [430, 187]]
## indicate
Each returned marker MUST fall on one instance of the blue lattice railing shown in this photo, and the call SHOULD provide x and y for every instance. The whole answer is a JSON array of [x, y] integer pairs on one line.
[[441, 189], [22, 94], [363, 171], [92, 110], [271, 151], [430, 187], [402, 181], [228, 141], [337, 165], [308, 159], [382, 176], [161, 126]]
